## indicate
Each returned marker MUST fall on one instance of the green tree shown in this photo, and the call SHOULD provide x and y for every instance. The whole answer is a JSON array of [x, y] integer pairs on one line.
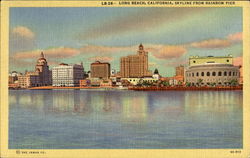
[[188, 84], [233, 82], [199, 81]]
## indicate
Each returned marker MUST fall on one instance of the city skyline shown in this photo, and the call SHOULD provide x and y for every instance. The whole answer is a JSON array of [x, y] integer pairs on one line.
[[106, 34]]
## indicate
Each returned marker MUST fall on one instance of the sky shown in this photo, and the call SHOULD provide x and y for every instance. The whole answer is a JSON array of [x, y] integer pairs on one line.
[[82, 34]]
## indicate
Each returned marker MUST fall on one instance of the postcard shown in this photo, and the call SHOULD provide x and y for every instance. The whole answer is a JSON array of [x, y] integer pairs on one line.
[[125, 79]]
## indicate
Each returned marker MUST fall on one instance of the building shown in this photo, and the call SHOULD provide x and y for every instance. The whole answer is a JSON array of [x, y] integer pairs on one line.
[[135, 65], [179, 70], [215, 74], [29, 80], [43, 69], [84, 83], [135, 81], [156, 75], [197, 60], [100, 70], [66, 75]]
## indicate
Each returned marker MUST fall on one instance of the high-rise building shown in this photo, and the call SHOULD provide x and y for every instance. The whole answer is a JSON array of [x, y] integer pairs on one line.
[[100, 70], [135, 65], [179, 70], [43, 69], [66, 75]]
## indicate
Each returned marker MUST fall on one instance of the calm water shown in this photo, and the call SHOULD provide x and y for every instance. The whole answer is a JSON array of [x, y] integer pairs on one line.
[[62, 119]]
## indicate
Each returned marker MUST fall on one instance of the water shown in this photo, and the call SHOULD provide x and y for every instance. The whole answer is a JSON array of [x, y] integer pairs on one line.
[[85, 119]]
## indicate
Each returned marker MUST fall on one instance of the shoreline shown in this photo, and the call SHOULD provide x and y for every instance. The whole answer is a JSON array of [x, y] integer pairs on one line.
[[138, 88]]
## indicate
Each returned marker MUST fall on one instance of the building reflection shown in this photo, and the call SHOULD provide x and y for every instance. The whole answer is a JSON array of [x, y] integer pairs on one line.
[[135, 108], [132, 106], [213, 101]]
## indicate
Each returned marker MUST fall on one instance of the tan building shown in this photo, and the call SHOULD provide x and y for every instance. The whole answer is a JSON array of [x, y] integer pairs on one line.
[[197, 60], [135, 65], [100, 70], [43, 69], [179, 70], [28, 80]]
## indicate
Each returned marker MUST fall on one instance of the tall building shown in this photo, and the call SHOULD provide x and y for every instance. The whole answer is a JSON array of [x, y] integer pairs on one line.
[[197, 60], [135, 65], [179, 70], [43, 69], [66, 75], [100, 70]]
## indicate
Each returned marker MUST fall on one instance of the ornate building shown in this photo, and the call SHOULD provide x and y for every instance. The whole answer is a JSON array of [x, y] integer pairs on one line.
[[216, 74], [135, 65], [42, 69]]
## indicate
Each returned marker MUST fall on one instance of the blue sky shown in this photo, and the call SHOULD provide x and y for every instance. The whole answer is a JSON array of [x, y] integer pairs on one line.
[[75, 35]]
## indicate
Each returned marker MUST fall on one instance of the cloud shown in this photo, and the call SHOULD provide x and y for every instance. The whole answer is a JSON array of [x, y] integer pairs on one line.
[[102, 59], [23, 32], [168, 51], [152, 64], [235, 38], [61, 52], [141, 20], [212, 43], [90, 49], [237, 61], [21, 39], [177, 62]]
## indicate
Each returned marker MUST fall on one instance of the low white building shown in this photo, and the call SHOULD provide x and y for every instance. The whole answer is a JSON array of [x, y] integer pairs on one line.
[[66, 75], [135, 81]]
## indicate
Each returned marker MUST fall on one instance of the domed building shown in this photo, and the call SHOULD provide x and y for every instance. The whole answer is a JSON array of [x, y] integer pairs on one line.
[[43, 69]]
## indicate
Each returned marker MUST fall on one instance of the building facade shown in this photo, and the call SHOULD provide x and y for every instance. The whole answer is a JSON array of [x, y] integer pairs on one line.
[[215, 74], [43, 69], [66, 75], [100, 70], [135, 65], [197, 60], [28, 80], [179, 70]]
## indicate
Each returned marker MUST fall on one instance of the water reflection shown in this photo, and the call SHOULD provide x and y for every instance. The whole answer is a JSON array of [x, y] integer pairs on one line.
[[125, 119], [213, 101], [134, 106]]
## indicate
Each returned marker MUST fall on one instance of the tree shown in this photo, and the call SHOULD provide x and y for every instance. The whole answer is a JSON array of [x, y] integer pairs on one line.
[[199, 81], [188, 84], [233, 82]]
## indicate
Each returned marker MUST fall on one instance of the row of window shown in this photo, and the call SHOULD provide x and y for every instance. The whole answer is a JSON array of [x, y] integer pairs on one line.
[[225, 73]]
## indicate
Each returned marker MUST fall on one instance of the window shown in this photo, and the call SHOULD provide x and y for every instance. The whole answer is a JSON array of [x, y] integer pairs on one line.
[[197, 73], [225, 73], [229, 74], [227, 60], [219, 74], [193, 74], [208, 73], [233, 73], [194, 61], [202, 73], [214, 74]]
